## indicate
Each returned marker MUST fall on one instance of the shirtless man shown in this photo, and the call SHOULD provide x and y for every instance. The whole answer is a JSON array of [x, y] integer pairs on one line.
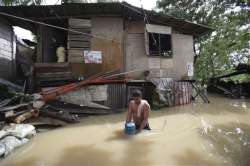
[[138, 111]]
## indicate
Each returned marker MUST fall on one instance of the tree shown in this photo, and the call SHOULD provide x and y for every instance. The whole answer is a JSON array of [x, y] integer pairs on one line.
[[229, 44]]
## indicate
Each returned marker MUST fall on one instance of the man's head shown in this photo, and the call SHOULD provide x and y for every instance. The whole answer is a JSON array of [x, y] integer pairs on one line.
[[137, 96]]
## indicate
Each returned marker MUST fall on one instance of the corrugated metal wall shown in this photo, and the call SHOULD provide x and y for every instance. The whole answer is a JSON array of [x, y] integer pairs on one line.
[[117, 96], [7, 57]]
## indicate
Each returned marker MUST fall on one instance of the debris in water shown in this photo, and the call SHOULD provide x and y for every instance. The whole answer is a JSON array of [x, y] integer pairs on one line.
[[225, 149], [10, 143], [14, 136], [20, 130], [239, 131], [243, 105], [227, 133], [219, 130], [206, 127]]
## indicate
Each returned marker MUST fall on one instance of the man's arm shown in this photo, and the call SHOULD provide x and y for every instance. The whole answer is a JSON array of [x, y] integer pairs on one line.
[[129, 114], [145, 117]]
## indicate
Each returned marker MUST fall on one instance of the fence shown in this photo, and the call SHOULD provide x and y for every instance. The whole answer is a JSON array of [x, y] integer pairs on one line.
[[173, 93]]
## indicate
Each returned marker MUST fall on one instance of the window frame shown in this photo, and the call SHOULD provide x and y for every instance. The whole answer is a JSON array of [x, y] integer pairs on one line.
[[161, 31]]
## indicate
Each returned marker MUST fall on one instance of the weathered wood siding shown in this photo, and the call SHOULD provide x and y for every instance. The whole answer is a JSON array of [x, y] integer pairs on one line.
[[7, 57], [110, 29], [77, 42], [136, 58]]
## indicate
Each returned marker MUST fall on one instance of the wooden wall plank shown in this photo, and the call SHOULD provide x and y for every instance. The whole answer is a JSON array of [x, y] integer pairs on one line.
[[75, 23], [77, 42], [79, 37], [87, 31]]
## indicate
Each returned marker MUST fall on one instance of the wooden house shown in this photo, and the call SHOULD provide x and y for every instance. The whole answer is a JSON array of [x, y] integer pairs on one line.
[[107, 36]]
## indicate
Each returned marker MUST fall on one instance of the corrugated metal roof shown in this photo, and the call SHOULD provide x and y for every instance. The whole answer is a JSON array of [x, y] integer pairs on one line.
[[86, 10]]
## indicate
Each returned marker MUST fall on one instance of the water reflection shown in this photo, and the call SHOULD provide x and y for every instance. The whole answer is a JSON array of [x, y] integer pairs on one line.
[[85, 155], [232, 141], [190, 157]]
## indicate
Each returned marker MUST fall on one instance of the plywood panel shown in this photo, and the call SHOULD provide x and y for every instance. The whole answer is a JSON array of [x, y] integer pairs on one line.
[[111, 29], [182, 53], [111, 54]]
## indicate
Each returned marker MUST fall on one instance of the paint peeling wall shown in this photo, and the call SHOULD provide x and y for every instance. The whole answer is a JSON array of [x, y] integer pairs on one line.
[[136, 58]]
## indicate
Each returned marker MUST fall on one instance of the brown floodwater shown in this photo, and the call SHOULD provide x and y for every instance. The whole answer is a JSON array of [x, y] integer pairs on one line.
[[195, 134]]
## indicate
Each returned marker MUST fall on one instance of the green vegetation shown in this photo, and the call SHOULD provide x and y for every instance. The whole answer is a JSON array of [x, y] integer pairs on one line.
[[219, 52]]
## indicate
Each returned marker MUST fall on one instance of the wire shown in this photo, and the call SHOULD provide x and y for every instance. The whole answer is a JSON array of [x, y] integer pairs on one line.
[[57, 27], [147, 22], [57, 16], [145, 17]]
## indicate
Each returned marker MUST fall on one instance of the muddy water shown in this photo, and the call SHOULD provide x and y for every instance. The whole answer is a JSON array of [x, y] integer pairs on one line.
[[196, 134]]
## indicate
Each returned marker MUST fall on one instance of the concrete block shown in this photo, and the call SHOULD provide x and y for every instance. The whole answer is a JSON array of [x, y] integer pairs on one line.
[[154, 63], [167, 63]]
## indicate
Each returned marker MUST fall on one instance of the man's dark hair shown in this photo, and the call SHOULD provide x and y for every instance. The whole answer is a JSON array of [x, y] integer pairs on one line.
[[136, 93]]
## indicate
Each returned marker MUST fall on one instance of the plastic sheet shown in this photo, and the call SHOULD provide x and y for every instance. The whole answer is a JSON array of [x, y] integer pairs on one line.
[[20, 130], [2, 149], [10, 143], [3, 133]]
